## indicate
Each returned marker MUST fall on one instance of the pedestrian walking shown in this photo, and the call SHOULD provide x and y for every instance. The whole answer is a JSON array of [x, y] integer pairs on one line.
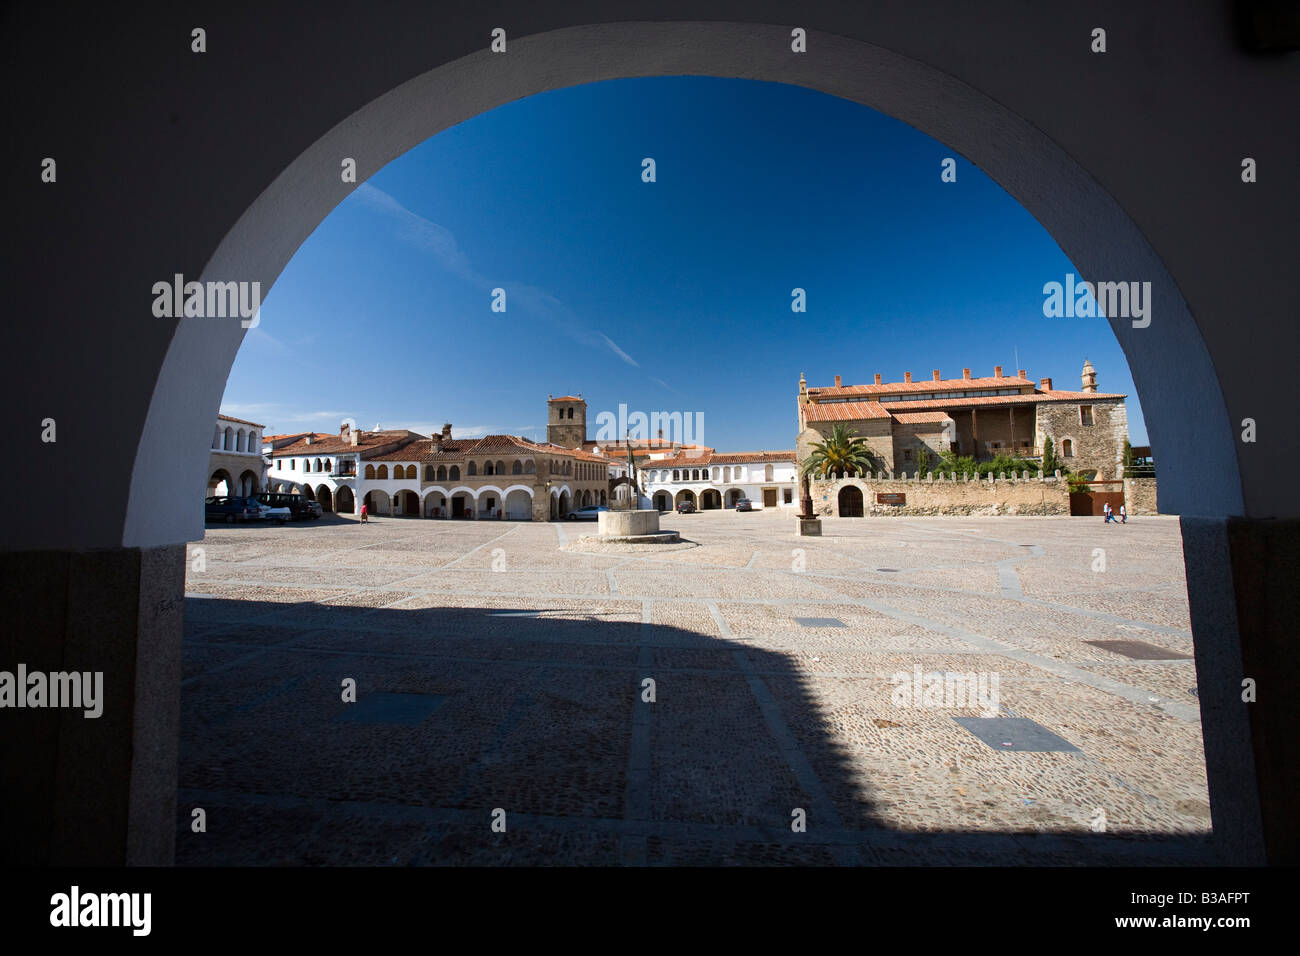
[[1110, 514], [1123, 515], [365, 517]]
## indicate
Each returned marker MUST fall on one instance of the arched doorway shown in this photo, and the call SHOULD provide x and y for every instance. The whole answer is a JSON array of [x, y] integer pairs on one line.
[[377, 502], [733, 497], [710, 500], [565, 504], [408, 503], [684, 495], [324, 496], [850, 502], [462, 506], [344, 501], [662, 501]]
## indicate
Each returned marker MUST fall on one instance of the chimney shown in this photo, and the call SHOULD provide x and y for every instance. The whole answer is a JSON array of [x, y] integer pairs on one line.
[[446, 432], [965, 374], [907, 376], [1045, 384], [837, 381], [936, 375], [1021, 373], [877, 378], [354, 436], [997, 371], [308, 439]]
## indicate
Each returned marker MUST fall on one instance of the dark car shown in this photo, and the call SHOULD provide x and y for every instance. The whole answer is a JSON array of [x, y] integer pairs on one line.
[[686, 508], [744, 504], [230, 509], [301, 508]]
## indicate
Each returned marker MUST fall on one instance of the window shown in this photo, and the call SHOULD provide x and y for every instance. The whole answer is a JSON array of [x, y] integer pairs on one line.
[[442, 472], [767, 473], [471, 469], [370, 471], [907, 454], [488, 469], [1085, 414], [530, 468], [517, 468], [293, 464], [788, 495], [677, 476], [1067, 448], [455, 473], [382, 472], [429, 473]]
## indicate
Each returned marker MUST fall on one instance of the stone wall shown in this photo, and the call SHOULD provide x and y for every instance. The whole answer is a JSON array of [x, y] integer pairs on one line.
[[912, 438], [877, 432], [1140, 496], [1099, 446], [1009, 496]]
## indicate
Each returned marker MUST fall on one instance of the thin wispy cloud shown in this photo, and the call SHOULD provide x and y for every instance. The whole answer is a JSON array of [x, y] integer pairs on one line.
[[440, 243]]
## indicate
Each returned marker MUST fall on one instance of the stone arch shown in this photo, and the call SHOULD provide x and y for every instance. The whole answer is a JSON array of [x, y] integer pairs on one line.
[[377, 502], [249, 484], [345, 503], [684, 495], [1201, 477], [220, 483], [518, 503], [710, 499], [517, 467], [442, 473], [454, 473], [325, 497]]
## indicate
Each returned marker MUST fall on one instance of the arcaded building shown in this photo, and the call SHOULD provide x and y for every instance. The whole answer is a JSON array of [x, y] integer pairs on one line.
[[979, 417], [406, 473]]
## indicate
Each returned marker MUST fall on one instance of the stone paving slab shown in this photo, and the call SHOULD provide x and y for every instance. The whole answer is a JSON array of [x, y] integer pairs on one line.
[[538, 675]]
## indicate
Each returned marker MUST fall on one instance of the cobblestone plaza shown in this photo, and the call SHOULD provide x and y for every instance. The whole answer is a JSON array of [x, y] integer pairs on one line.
[[500, 667]]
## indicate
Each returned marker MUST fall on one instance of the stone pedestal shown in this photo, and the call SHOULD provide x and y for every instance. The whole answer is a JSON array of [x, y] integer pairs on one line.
[[810, 527], [634, 527]]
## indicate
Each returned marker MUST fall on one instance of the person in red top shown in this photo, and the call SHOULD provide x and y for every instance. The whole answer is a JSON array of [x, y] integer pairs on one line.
[[364, 513]]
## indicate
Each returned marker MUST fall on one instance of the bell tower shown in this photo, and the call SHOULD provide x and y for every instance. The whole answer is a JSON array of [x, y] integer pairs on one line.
[[566, 421]]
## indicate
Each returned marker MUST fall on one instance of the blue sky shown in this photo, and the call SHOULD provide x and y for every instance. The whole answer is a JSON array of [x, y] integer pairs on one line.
[[666, 296]]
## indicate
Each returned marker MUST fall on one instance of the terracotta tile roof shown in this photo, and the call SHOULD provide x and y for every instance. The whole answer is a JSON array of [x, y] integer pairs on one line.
[[336, 445], [726, 458], [459, 449], [239, 421], [920, 418], [923, 385], [844, 411], [315, 435], [566, 398], [1034, 399]]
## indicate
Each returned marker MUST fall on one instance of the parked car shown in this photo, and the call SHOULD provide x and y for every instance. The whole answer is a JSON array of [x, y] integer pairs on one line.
[[744, 504], [589, 513], [279, 514], [686, 508], [230, 509], [301, 508]]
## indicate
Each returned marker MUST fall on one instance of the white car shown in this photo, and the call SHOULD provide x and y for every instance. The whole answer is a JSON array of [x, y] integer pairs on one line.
[[267, 513]]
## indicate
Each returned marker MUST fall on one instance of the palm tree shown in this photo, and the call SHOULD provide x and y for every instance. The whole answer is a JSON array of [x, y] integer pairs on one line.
[[842, 453]]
